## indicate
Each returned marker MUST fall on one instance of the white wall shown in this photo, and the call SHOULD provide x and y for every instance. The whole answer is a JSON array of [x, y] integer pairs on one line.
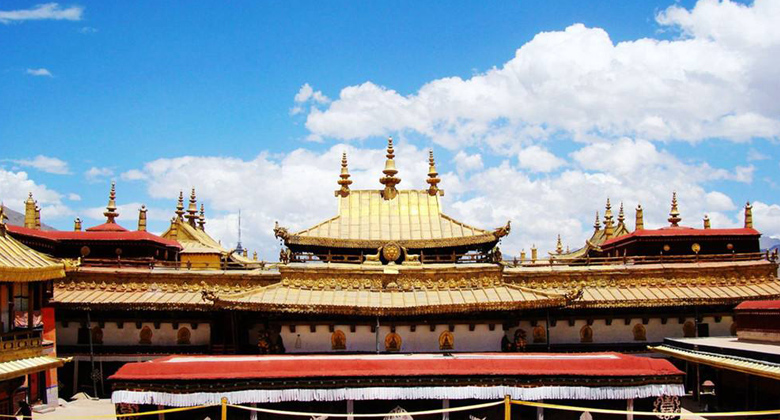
[[363, 340], [130, 335]]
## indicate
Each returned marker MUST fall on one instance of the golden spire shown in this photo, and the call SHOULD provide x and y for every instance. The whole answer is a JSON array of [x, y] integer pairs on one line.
[[77, 225], [707, 222], [344, 181], [559, 246], [390, 180], [534, 253], [621, 216], [180, 206], [202, 218], [748, 216], [29, 212], [246, 253], [111, 212], [37, 218], [173, 232], [192, 210], [2, 219], [640, 218], [522, 255], [597, 224], [433, 176], [674, 214], [142, 218], [609, 229], [254, 256]]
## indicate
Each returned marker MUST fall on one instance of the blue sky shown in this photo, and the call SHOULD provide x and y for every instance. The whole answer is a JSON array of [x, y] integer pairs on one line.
[[109, 87]]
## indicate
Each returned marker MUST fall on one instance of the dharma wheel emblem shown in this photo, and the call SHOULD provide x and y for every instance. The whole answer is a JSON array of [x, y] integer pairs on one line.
[[391, 252], [665, 405]]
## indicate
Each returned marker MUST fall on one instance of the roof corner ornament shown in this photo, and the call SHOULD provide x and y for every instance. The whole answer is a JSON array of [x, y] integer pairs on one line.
[[574, 294], [180, 206], [344, 182], [748, 216], [707, 224], [433, 176], [640, 218], [390, 180], [192, 210], [281, 232], [504, 230], [142, 218], [609, 229], [674, 215], [111, 212], [202, 218]]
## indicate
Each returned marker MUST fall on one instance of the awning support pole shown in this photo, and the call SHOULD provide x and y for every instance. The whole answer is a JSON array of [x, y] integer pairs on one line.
[[224, 408], [507, 408]]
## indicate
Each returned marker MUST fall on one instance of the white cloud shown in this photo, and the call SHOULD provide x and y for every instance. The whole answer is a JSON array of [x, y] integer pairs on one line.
[[41, 72], [95, 174], [88, 30], [46, 164], [538, 159], [133, 175], [717, 81], [14, 187], [128, 214], [465, 162], [754, 155], [74, 197], [47, 11], [766, 218], [308, 95]]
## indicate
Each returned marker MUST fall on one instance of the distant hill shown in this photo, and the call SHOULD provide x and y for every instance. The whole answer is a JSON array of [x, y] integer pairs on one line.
[[17, 219], [769, 243]]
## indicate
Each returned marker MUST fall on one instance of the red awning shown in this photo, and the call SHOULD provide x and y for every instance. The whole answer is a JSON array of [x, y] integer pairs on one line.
[[100, 233], [753, 305], [407, 365]]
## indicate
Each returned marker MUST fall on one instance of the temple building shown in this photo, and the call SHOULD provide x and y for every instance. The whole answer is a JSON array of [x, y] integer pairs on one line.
[[392, 273], [28, 360]]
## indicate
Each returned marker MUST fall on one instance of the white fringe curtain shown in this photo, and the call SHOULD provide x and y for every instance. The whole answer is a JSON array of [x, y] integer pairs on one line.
[[397, 393]]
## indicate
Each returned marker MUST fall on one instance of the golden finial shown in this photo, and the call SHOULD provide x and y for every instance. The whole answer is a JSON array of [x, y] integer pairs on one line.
[[192, 210], [433, 176], [559, 246], [142, 218], [202, 218], [29, 212], [173, 232], [522, 255], [3, 217], [37, 218], [674, 214], [640, 218], [621, 216], [344, 181], [707, 222], [254, 256], [180, 206], [246, 253], [111, 212], [609, 229], [597, 223], [534, 253], [77, 225], [748, 216], [390, 180]]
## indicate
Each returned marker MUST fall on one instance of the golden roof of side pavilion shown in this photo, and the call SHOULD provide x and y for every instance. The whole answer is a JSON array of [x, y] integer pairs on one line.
[[20, 263]]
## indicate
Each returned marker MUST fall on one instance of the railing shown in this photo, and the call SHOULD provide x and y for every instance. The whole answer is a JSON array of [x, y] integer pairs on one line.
[[150, 263], [20, 345], [642, 259], [469, 257]]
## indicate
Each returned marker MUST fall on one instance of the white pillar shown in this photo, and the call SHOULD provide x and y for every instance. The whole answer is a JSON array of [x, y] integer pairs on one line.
[[445, 404], [630, 407], [540, 412], [253, 414], [350, 409]]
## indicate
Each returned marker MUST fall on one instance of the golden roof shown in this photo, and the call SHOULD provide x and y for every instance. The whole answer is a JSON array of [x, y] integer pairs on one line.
[[413, 219], [20, 263], [751, 367], [17, 368], [288, 298], [192, 239]]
